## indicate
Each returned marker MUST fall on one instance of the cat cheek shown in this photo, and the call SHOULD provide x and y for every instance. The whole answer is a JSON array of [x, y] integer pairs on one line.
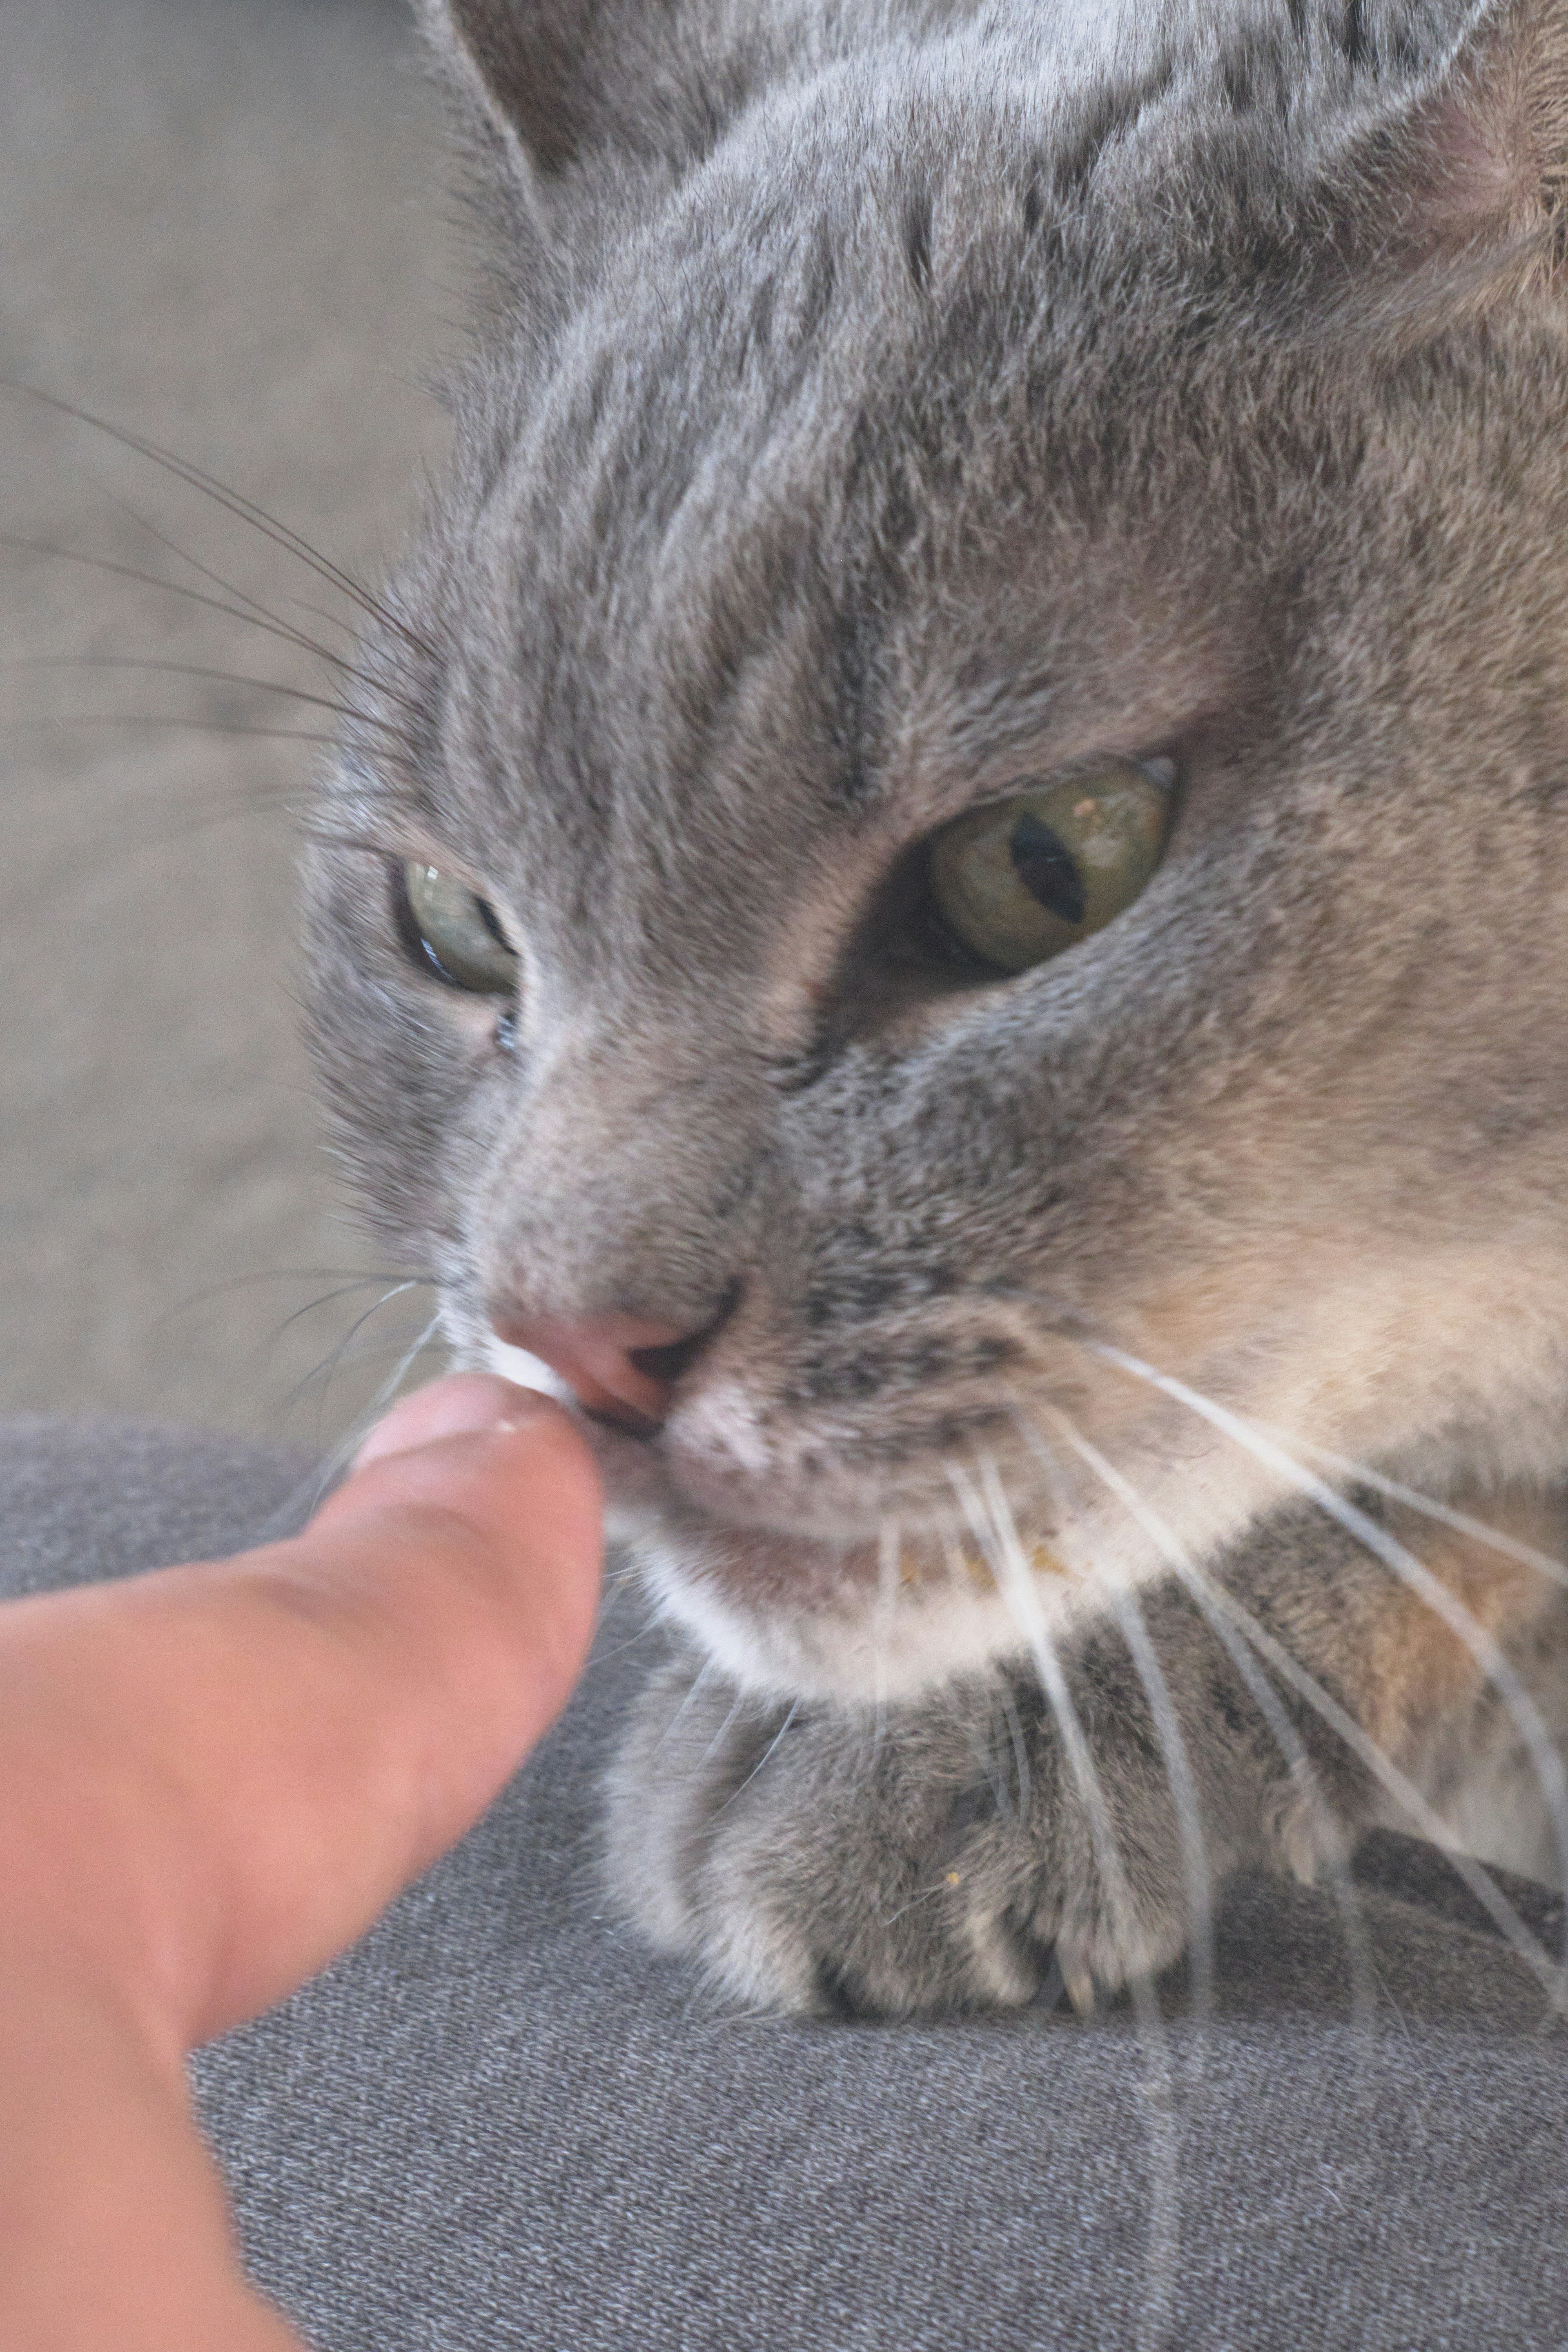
[[723, 1430]]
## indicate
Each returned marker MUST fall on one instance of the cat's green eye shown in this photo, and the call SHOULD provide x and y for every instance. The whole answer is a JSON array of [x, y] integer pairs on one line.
[[1023, 878], [456, 933]]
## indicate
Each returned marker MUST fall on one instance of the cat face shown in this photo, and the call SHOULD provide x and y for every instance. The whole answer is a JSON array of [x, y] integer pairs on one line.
[[965, 794]]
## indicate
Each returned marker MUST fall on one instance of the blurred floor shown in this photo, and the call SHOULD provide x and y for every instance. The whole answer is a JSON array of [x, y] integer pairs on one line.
[[223, 229]]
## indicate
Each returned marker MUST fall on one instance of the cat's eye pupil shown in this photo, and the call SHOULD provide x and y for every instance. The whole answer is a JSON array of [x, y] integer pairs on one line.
[[1047, 869], [1021, 879]]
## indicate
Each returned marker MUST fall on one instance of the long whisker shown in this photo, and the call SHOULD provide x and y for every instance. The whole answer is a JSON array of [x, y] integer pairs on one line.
[[1298, 1764], [55, 721], [272, 628], [308, 1495], [233, 501], [1020, 1753], [195, 669], [343, 1452], [372, 1349], [768, 1750], [987, 1512], [330, 1363], [1405, 1795], [1402, 1790], [890, 1560], [243, 596], [349, 1276], [215, 579], [346, 1290], [1195, 1868], [1427, 1506], [1413, 1573], [717, 1741], [709, 1666]]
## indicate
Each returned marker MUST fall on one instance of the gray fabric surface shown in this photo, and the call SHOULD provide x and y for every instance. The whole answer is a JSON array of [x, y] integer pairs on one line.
[[500, 2122]]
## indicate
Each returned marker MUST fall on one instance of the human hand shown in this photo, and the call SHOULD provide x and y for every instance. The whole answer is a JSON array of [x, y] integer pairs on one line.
[[211, 1779]]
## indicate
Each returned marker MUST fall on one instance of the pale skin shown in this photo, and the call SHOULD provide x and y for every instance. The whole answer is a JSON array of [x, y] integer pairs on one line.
[[211, 1779]]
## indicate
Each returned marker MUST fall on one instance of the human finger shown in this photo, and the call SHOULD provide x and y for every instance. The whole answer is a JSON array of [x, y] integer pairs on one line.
[[234, 1767]]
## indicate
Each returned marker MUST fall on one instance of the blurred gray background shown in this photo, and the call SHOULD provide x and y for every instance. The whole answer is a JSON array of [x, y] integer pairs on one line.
[[224, 230]]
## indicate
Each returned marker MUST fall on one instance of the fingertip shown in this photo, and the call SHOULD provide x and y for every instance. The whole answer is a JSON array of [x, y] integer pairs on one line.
[[507, 1462], [475, 1477], [464, 1404]]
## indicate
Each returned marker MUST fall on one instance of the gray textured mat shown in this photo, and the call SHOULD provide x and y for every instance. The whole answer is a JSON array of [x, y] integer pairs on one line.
[[500, 2122]]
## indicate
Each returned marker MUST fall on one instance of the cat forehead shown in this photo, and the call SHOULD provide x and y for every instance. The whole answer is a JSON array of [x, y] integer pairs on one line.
[[753, 496], [875, 243], [754, 447]]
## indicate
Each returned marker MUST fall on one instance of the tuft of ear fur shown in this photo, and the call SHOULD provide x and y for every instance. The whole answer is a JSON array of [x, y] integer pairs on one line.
[[551, 82], [1449, 194], [1483, 149]]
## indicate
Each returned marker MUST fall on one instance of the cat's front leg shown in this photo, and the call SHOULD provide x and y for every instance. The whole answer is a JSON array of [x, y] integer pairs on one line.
[[976, 1846], [954, 1852]]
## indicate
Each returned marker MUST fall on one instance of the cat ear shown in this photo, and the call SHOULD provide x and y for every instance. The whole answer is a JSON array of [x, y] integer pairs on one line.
[[552, 80], [1476, 162]]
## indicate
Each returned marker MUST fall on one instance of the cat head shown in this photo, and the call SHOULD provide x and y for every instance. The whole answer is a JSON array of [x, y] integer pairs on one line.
[[965, 794]]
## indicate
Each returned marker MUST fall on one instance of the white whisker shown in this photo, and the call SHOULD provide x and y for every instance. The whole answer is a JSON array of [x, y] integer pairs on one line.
[[1298, 1762], [1020, 1753], [718, 1740], [1495, 1903], [1179, 1773], [991, 1519], [695, 1685], [1412, 1572], [889, 1555], [1427, 1506], [768, 1750], [332, 1466]]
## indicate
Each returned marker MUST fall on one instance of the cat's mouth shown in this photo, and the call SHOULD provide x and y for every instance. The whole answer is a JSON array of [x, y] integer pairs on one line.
[[857, 1621], [946, 1557], [713, 1465], [878, 1611], [699, 1476], [866, 1609]]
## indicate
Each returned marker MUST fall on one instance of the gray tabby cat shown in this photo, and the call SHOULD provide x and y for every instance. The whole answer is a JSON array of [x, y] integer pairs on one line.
[[950, 896]]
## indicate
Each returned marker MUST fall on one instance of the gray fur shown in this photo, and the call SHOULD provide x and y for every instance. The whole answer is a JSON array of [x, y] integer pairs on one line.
[[881, 401]]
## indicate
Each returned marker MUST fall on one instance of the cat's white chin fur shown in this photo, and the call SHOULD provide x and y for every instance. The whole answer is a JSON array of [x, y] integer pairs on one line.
[[857, 1645], [862, 1655]]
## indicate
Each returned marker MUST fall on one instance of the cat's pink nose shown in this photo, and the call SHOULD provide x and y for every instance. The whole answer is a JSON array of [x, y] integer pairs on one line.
[[616, 1365]]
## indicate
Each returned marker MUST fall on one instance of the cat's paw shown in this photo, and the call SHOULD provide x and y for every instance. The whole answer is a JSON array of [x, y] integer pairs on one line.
[[942, 1854]]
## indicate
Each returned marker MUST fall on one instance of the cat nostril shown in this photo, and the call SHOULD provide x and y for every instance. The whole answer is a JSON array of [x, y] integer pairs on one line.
[[620, 1368], [666, 1363]]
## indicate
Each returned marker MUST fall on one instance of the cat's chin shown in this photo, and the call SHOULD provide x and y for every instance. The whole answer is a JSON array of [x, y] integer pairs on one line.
[[787, 1616], [789, 1612]]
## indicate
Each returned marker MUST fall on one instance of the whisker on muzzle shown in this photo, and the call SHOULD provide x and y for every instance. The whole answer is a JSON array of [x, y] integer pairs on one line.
[[989, 1516], [1179, 1774], [1330, 1842], [1427, 1506], [1417, 1578]]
